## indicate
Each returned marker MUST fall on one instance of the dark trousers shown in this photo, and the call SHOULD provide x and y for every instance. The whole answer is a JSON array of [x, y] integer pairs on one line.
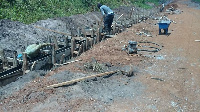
[[108, 22]]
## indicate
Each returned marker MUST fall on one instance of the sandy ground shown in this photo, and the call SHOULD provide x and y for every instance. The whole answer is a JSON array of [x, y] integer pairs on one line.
[[164, 81]]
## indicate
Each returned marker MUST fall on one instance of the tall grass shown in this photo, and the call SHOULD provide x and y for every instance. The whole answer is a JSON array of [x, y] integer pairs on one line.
[[29, 11]]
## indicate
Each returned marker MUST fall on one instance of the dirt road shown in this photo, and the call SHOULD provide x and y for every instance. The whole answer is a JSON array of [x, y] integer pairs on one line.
[[177, 64], [164, 81]]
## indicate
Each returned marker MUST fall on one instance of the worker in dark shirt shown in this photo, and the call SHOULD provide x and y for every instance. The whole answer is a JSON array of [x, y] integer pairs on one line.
[[108, 16]]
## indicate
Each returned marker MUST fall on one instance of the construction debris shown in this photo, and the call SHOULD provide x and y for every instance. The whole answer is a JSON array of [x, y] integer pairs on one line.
[[131, 48], [172, 9], [145, 33]]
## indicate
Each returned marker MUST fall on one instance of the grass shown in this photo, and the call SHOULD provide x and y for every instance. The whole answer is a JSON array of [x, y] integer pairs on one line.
[[29, 11], [198, 1]]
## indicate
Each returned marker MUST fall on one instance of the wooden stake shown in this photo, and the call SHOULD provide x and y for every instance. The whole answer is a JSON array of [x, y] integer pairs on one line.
[[78, 31], [53, 55], [66, 41], [62, 58], [4, 59], [15, 59], [80, 49], [24, 67], [114, 28], [98, 35], [55, 42], [72, 46], [86, 42], [132, 9], [79, 79], [84, 45]]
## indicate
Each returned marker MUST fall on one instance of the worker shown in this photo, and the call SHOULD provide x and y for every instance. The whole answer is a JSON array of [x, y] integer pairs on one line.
[[33, 50], [108, 16], [162, 7]]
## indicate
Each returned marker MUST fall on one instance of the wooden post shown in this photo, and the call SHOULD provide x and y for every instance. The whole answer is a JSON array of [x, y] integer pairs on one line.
[[98, 35], [72, 46], [15, 59], [78, 31], [84, 45], [55, 42], [24, 67], [92, 42], [114, 28], [132, 9], [66, 41], [136, 18], [53, 54], [80, 49], [86, 42], [62, 59], [4, 59]]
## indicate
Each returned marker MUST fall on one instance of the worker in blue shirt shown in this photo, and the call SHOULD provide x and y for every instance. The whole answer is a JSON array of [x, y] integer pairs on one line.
[[108, 16]]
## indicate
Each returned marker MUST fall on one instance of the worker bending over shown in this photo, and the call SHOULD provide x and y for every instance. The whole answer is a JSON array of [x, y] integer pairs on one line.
[[33, 50], [108, 16]]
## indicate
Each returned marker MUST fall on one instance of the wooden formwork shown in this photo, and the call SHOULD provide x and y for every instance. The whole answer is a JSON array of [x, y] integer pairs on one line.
[[72, 46]]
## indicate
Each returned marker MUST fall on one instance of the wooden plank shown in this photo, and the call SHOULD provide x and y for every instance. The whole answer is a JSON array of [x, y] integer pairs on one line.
[[79, 38], [67, 62], [80, 79], [109, 36]]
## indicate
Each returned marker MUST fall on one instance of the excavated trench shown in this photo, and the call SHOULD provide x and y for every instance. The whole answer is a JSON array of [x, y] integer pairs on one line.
[[81, 32]]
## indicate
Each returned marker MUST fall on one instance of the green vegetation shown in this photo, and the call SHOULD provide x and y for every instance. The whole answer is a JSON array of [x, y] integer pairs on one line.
[[29, 11], [196, 1]]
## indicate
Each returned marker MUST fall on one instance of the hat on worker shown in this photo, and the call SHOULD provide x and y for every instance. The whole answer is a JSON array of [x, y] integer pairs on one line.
[[99, 5]]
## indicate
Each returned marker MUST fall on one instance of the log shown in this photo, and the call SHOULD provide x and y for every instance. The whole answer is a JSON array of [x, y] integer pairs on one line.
[[79, 79]]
